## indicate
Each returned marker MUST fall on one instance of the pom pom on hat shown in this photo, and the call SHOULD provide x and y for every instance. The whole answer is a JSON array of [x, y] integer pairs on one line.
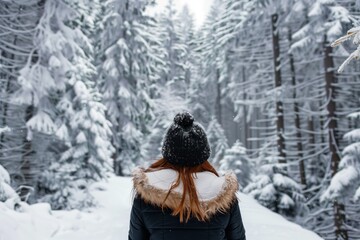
[[184, 119]]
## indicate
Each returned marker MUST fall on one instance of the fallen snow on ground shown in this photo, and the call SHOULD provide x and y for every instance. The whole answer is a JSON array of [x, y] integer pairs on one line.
[[110, 221]]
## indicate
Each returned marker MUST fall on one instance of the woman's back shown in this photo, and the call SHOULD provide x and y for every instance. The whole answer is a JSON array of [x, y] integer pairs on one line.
[[181, 195], [216, 195]]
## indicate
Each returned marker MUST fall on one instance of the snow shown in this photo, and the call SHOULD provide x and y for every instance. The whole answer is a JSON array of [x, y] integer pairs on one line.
[[357, 195], [34, 223], [62, 133], [335, 30], [4, 175], [6, 128], [54, 62], [81, 90], [353, 135], [283, 181], [286, 202], [110, 220], [316, 10], [41, 122], [342, 179], [268, 193], [6, 191], [81, 138]]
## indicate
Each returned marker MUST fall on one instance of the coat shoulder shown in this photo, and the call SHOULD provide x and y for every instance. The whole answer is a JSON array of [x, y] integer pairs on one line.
[[216, 194]]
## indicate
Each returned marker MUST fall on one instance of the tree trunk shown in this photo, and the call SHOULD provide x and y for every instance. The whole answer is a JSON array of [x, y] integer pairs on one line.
[[297, 118], [5, 104], [246, 127], [350, 124], [27, 150], [313, 168], [321, 122], [339, 208], [218, 98], [117, 166], [279, 105], [9, 79]]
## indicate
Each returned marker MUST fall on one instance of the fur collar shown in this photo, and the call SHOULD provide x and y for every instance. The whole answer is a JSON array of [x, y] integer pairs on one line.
[[216, 194]]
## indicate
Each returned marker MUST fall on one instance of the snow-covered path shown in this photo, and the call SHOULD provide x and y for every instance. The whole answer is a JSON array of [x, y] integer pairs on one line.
[[110, 220]]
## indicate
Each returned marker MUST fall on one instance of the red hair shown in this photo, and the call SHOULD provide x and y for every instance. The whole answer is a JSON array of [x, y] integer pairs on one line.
[[189, 190]]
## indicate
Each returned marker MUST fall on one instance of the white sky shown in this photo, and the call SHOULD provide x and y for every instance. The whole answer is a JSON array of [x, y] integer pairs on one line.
[[199, 8]]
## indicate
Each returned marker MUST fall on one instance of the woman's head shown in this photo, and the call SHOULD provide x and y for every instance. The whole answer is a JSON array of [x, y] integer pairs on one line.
[[185, 143], [185, 150]]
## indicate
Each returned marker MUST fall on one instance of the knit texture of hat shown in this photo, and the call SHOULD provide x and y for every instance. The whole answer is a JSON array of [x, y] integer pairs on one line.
[[185, 143]]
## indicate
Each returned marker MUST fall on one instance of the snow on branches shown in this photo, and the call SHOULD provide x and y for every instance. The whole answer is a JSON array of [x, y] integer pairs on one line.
[[353, 33]]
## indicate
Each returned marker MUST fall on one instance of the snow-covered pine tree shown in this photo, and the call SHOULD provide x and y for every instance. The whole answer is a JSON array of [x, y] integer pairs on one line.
[[18, 20], [200, 92], [252, 73], [88, 156], [306, 137], [297, 150], [174, 74], [325, 23], [236, 159], [209, 88], [168, 99], [6, 192], [59, 86], [210, 54], [229, 37], [126, 77], [345, 184], [217, 140], [175, 49], [258, 86], [186, 31], [274, 189], [354, 34]]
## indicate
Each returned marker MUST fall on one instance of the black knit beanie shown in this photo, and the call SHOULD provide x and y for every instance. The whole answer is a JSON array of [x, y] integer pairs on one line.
[[185, 143]]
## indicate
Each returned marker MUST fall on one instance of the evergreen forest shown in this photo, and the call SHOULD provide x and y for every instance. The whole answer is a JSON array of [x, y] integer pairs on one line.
[[89, 87]]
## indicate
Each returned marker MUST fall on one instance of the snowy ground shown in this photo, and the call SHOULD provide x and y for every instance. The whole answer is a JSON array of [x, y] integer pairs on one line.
[[110, 220]]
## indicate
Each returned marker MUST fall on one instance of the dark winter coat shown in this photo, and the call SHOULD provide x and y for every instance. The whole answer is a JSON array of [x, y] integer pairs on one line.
[[216, 194]]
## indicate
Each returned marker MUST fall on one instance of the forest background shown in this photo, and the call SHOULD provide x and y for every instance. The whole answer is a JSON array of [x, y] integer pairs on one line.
[[88, 87]]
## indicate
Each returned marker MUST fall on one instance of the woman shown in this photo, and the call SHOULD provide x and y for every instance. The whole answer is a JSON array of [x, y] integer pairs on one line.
[[181, 196]]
